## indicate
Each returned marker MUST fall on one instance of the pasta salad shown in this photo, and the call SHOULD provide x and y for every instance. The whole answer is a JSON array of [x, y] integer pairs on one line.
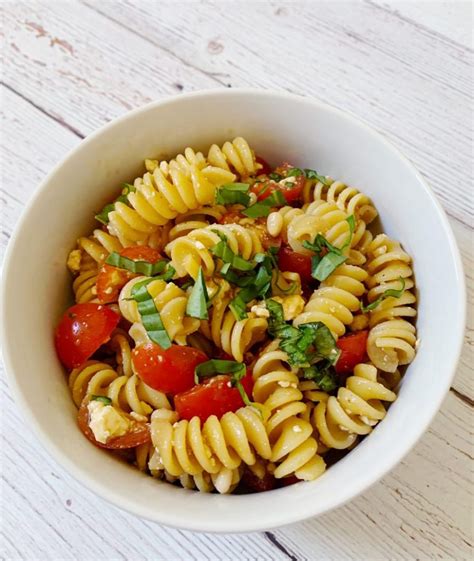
[[237, 327]]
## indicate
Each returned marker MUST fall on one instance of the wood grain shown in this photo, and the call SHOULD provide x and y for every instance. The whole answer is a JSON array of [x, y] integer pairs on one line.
[[69, 67]]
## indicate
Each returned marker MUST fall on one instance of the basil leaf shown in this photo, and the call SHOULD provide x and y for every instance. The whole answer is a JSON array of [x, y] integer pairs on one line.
[[262, 208], [223, 251], [238, 306], [139, 267], [324, 376], [198, 299], [327, 265], [216, 366], [236, 371], [102, 398], [391, 292], [103, 215], [233, 193], [275, 176], [323, 340], [312, 174], [319, 243], [295, 172], [351, 221], [149, 314], [277, 318]]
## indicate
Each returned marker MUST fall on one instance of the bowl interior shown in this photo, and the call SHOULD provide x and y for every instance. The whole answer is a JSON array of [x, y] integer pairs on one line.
[[280, 127]]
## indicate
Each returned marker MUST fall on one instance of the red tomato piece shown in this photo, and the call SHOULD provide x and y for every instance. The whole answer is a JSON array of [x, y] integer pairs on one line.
[[255, 484], [82, 330], [290, 189], [289, 260], [214, 397], [139, 432], [353, 350], [170, 370], [111, 280], [265, 169]]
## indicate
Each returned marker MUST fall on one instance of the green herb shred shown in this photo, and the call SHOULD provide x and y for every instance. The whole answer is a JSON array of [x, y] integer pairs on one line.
[[390, 293]]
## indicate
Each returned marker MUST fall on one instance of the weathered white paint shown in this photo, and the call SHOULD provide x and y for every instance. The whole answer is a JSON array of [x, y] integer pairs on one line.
[[401, 66]]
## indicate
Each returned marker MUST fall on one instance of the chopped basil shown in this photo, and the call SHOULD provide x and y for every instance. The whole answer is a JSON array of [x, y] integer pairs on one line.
[[327, 256], [295, 172], [262, 208], [391, 292], [140, 266], [223, 251], [275, 176], [102, 398], [312, 174], [304, 344], [149, 314], [258, 286], [198, 299], [233, 193], [103, 215], [323, 374], [236, 371]]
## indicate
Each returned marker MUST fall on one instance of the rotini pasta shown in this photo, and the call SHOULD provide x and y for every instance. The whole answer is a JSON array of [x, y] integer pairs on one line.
[[334, 302], [355, 411], [233, 336], [186, 447], [392, 338], [191, 252], [235, 325]]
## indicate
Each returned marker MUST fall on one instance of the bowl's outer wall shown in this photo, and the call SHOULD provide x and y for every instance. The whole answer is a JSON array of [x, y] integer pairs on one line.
[[280, 127]]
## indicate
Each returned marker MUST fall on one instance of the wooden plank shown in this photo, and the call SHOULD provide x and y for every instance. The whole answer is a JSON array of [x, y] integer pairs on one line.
[[442, 18], [374, 64]]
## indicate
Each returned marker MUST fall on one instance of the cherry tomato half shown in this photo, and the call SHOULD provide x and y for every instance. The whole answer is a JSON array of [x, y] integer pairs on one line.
[[353, 349], [289, 260], [139, 432], [170, 370], [111, 280], [215, 396], [82, 330]]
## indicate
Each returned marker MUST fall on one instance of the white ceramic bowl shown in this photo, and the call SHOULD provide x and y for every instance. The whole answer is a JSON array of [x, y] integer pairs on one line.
[[36, 290]]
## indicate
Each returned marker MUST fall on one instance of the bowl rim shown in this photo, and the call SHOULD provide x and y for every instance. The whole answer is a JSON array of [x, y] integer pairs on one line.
[[279, 518]]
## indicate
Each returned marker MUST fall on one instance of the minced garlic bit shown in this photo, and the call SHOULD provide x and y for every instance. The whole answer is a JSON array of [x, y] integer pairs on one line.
[[297, 428], [106, 422]]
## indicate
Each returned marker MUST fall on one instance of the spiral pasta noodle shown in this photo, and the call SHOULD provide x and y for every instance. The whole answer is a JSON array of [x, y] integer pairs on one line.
[[159, 196], [189, 447], [278, 221], [392, 338], [223, 481], [170, 301], [233, 336], [191, 252], [236, 155], [319, 217], [293, 448], [355, 411], [334, 302], [128, 393]]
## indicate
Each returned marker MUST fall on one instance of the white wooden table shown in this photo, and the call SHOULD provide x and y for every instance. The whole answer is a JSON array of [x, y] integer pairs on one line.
[[70, 66]]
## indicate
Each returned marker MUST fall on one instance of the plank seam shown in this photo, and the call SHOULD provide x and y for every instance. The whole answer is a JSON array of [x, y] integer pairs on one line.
[[42, 110], [464, 398], [273, 540], [211, 75], [419, 26]]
